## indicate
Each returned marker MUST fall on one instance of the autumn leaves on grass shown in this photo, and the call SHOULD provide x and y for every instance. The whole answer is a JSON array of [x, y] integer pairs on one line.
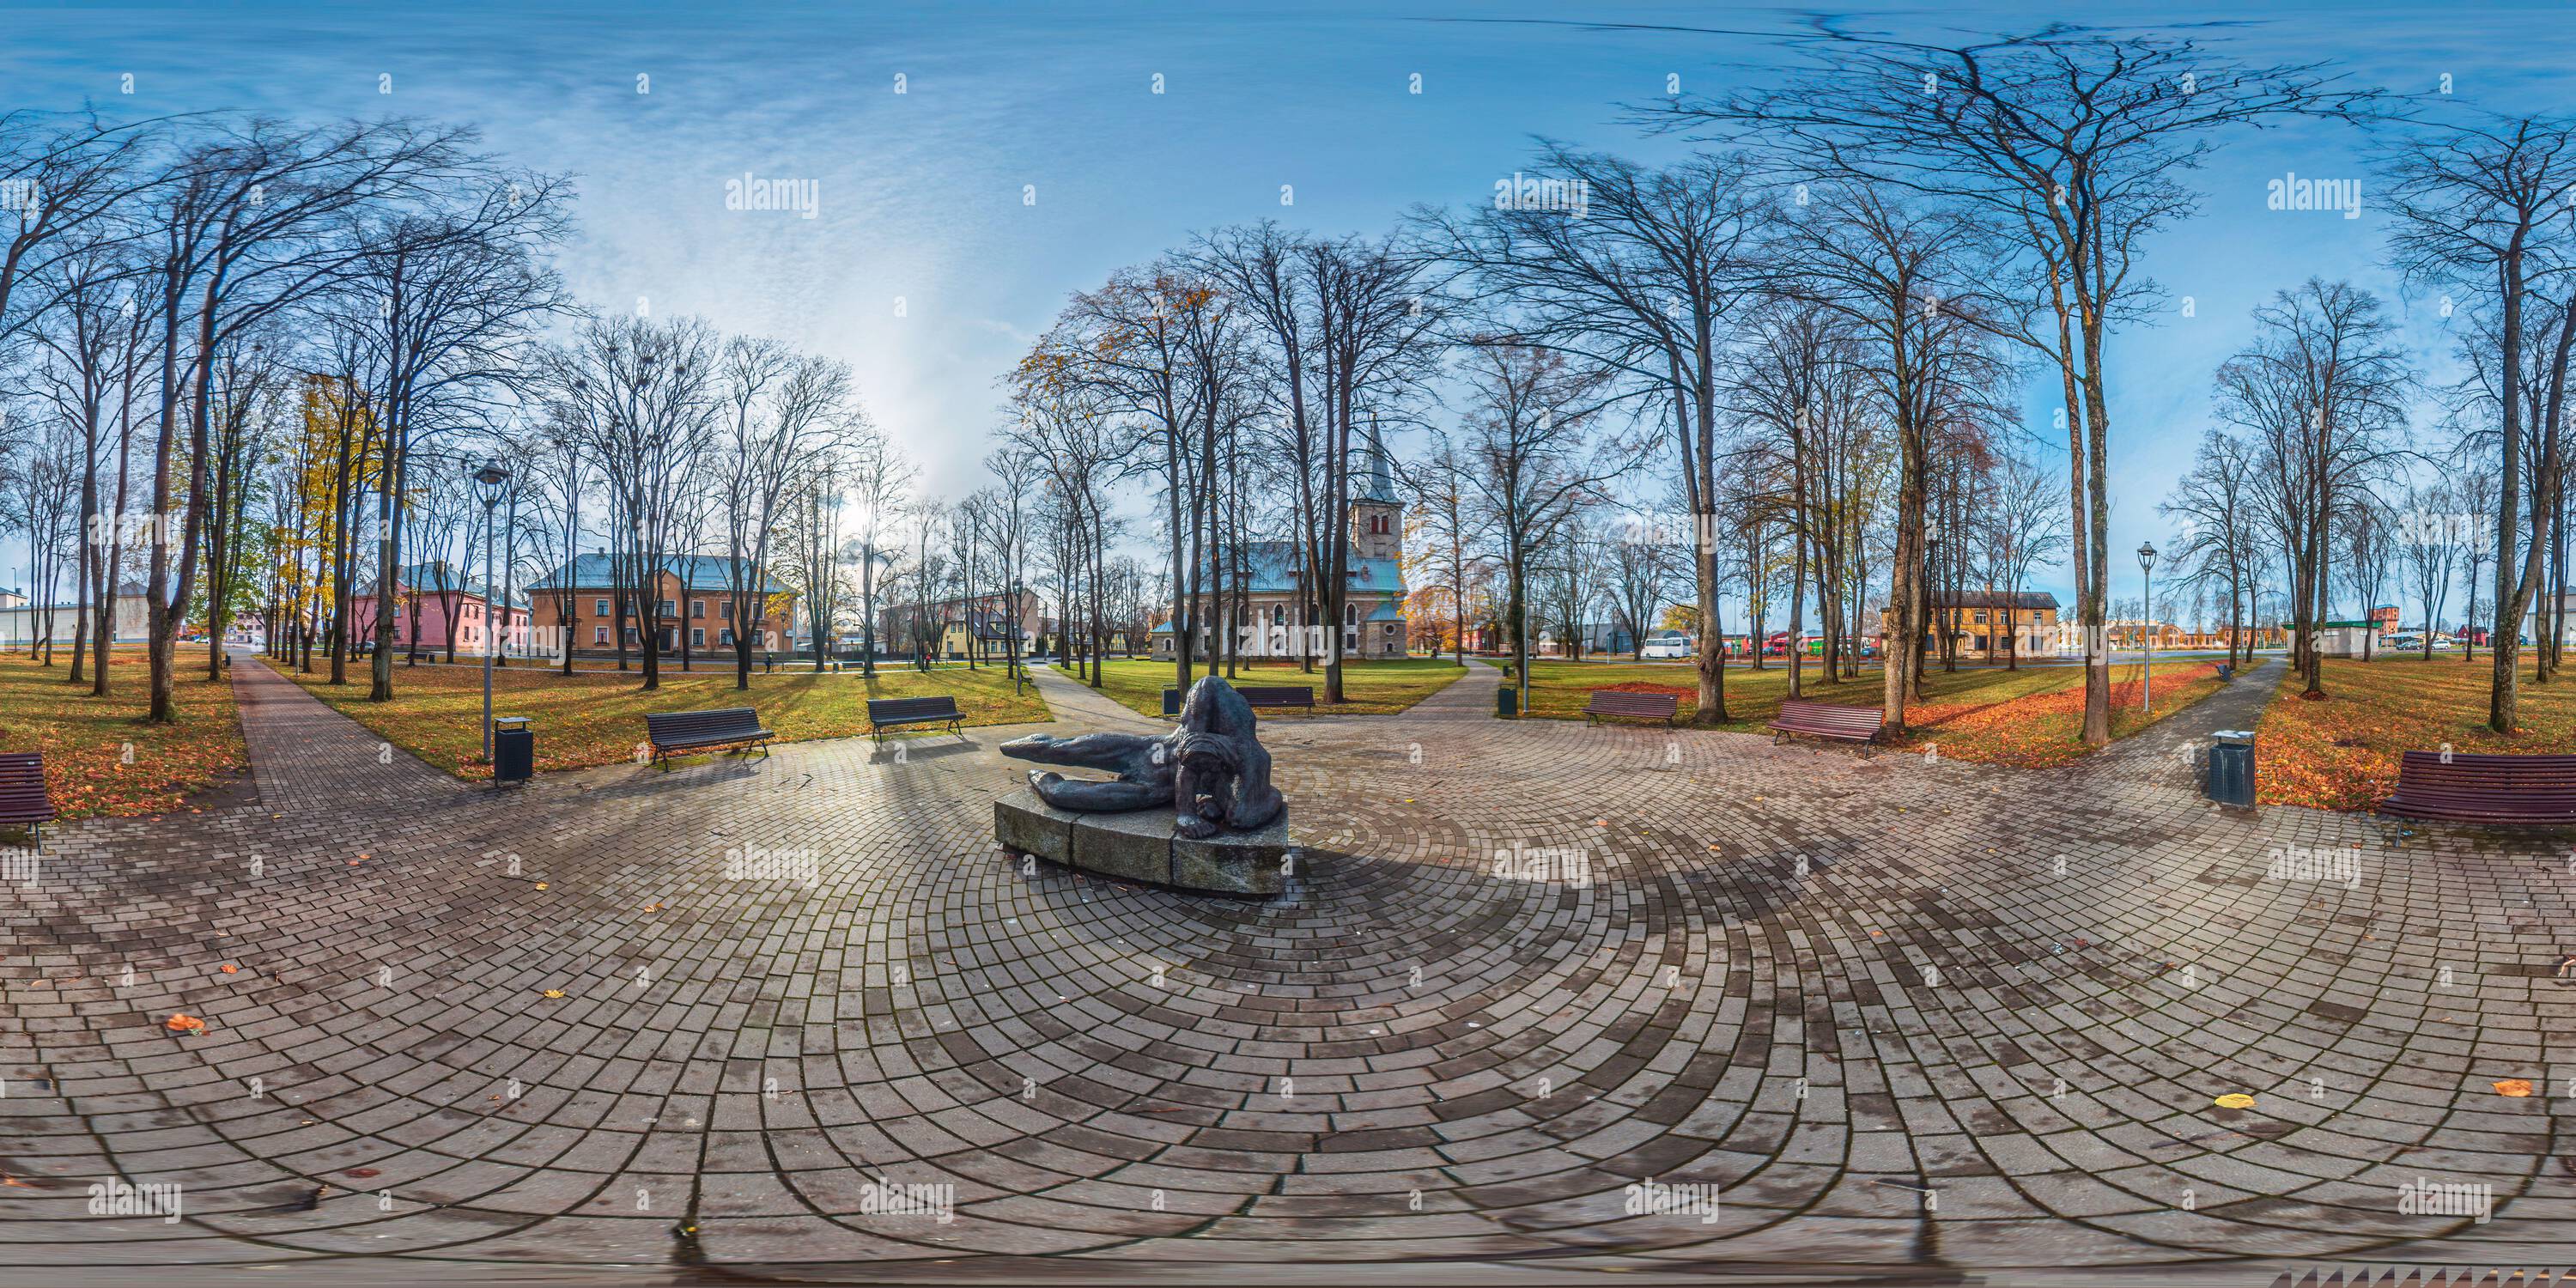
[[2343, 753], [101, 758]]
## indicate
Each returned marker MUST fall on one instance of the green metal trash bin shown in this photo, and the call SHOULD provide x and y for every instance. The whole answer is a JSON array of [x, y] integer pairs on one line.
[[2230, 776], [1507, 702]]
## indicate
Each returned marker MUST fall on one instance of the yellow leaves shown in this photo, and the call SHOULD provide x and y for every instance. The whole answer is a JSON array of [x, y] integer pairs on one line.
[[2234, 1100], [2515, 1087], [553, 994]]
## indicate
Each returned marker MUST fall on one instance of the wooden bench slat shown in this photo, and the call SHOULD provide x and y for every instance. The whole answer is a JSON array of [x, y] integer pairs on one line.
[[2484, 788], [938, 708], [668, 730], [1830, 720], [23, 798], [1628, 703], [1276, 695]]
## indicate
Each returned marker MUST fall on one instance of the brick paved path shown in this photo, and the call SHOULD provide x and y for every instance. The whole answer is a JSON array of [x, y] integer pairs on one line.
[[1894, 1012]]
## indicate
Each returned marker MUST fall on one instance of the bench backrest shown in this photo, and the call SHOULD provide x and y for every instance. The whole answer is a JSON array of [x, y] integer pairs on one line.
[[2547, 784], [1277, 695], [687, 724], [1628, 702], [1831, 715], [22, 786], [911, 708]]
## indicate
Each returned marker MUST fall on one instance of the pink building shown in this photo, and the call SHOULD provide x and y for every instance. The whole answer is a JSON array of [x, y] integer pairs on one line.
[[446, 603]]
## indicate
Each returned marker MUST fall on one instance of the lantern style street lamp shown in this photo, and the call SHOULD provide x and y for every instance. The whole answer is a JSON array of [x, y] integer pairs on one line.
[[2147, 673], [489, 480]]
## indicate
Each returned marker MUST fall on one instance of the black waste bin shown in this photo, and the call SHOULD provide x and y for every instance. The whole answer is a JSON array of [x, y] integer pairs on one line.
[[2230, 779], [1171, 701], [1507, 702], [514, 750]]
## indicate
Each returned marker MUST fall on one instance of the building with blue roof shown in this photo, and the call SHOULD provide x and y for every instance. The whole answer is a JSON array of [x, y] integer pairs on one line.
[[1281, 606]]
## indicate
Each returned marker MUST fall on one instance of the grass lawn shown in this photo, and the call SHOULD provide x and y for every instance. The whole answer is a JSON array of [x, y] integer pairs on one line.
[[1371, 688], [2030, 717], [86, 739], [593, 719], [2342, 753]]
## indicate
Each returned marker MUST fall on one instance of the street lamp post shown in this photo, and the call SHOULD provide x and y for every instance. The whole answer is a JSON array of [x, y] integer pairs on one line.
[[489, 480], [2146, 668]]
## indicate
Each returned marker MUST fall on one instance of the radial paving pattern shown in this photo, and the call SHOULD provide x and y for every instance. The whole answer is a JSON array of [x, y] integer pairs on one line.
[[1892, 1011]]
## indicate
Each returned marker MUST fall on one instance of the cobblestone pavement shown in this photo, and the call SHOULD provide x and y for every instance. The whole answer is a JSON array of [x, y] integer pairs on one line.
[[1896, 1014]]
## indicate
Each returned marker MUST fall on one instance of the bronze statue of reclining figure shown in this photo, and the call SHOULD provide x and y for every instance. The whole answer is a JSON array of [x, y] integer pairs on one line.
[[1212, 768]]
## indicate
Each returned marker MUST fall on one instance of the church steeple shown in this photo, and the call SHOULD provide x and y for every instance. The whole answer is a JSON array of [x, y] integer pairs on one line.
[[1377, 512], [1379, 479]]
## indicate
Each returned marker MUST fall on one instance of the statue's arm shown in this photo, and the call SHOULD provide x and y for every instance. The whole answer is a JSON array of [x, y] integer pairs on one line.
[[1096, 797], [1091, 750]]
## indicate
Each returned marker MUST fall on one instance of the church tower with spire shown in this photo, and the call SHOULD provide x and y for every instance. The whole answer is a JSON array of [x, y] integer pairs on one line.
[[1377, 515]]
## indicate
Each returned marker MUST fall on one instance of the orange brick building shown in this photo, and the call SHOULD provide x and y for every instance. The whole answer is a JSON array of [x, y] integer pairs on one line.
[[698, 616]]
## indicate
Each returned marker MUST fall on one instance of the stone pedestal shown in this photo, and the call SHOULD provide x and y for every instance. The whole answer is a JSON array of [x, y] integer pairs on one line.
[[1139, 845]]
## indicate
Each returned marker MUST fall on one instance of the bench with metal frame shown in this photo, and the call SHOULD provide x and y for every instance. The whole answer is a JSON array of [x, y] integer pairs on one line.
[[1828, 720], [23, 800], [885, 713], [737, 727]]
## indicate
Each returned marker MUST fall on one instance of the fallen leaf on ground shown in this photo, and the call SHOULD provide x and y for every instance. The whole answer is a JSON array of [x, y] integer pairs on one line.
[[554, 992], [2235, 1100], [185, 1024], [231, 969], [2514, 1087]]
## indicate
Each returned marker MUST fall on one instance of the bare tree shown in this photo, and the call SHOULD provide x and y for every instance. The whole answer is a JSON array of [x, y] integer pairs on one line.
[[2023, 524], [2324, 388], [2429, 537], [1535, 435], [1445, 516], [1643, 283], [643, 397], [2070, 146], [248, 221], [778, 413], [2216, 503], [2481, 210]]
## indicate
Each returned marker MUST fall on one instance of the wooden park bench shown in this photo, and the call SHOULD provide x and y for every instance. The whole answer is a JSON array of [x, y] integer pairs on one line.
[[2485, 789], [1638, 706], [1258, 695], [1277, 695], [671, 731], [22, 792], [1828, 720], [885, 713]]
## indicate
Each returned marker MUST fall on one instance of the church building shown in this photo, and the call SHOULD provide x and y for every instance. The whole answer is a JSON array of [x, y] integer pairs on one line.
[[1280, 612]]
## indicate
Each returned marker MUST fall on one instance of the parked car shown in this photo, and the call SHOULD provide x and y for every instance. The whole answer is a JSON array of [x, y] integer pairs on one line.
[[2401, 642]]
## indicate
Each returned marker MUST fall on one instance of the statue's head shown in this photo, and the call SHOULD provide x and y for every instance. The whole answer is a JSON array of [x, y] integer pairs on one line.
[[1214, 706]]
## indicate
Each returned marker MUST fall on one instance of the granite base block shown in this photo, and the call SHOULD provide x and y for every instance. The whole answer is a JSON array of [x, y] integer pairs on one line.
[[1140, 845]]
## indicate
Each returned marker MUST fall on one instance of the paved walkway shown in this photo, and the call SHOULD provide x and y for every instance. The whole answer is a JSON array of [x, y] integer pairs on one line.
[[1900, 1016]]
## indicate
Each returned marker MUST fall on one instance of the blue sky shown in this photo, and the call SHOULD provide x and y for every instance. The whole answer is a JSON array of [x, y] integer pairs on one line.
[[921, 193]]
